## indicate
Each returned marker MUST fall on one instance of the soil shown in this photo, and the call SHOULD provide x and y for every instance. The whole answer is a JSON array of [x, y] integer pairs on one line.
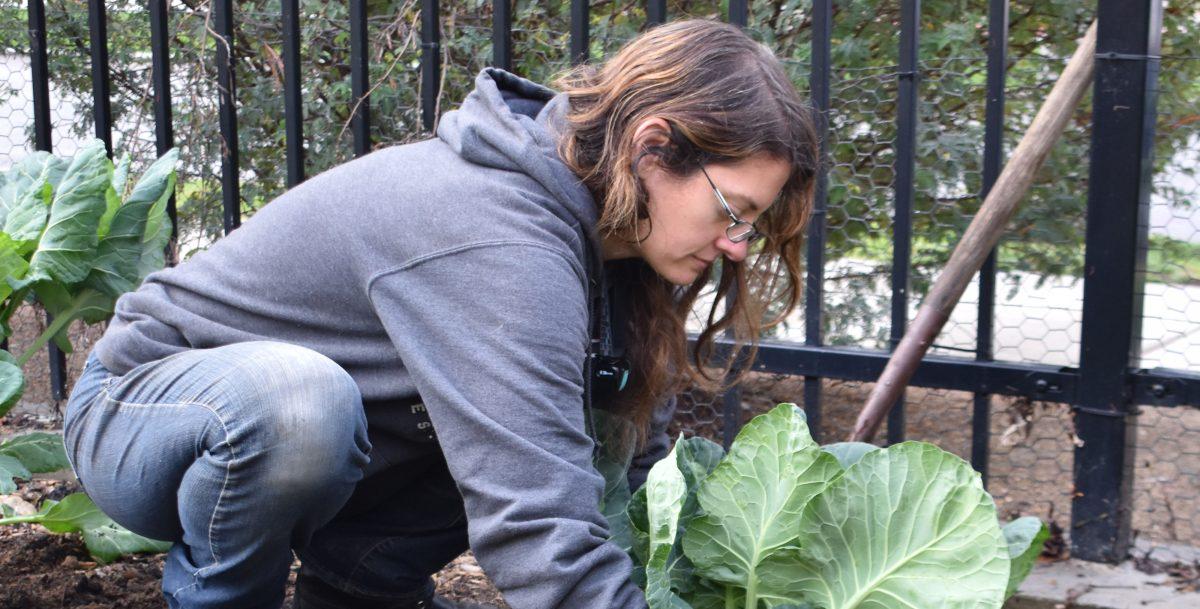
[[41, 570]]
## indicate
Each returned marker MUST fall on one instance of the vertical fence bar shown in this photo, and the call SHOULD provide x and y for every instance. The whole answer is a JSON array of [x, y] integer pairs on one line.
[[431, 62], [41, 91], [1123, 112], [814, 292], [502, 34], [739, 12], [656, 12], [164, 135], [227, 93], [41, 84], [993, 161], [40, 74], [731, 401], [102, 123], [293, 104], [906, 153], [360, 77], [101, 106], [579, 31]]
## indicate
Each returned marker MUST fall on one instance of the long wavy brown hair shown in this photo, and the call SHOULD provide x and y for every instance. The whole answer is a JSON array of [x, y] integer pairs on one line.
[[727, 98]]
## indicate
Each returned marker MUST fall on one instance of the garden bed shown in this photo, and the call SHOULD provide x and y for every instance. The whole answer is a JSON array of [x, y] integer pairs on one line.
[[41, 570]]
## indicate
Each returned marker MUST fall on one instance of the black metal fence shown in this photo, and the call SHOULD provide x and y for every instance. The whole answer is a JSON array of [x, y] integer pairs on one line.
[[1103, 391]]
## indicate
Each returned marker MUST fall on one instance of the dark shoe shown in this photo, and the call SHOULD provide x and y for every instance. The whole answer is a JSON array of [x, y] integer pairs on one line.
[[313, 593]]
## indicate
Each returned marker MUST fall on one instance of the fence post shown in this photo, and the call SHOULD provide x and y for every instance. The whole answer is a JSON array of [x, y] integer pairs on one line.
[[431, 62], [502, 34], [906, 157], [993, 162], [814, 288], [656, 12], [293, 102], [231, 196], [1123, 114], [580, 31], [101, 106], [164, 135], [360, 121], [42, 141], [40, 75], [739, 12]]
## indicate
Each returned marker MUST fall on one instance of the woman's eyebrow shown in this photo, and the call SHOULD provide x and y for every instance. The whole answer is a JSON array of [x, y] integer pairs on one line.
[[754, 207]]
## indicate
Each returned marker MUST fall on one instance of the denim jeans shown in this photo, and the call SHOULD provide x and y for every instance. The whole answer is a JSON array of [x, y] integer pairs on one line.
[[243, 453]]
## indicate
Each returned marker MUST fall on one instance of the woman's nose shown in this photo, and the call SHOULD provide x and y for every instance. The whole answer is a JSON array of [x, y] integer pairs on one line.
[[733, 251]]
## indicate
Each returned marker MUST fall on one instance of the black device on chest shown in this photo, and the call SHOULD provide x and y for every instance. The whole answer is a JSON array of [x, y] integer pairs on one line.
[[610, 366]]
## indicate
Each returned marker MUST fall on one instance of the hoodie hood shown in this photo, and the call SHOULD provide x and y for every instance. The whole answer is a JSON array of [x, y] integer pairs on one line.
[[511, 123]]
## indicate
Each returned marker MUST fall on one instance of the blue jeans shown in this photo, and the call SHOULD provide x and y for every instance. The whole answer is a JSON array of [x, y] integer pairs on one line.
[[243, 453]]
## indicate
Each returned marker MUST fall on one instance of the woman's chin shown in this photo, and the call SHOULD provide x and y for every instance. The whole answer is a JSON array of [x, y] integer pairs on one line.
[[686, 275], [683, 272]]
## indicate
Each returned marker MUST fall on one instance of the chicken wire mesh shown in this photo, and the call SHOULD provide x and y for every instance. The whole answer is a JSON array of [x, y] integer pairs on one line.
[[16, 98], [1038, 311], [1166, 494], [1170, 328]]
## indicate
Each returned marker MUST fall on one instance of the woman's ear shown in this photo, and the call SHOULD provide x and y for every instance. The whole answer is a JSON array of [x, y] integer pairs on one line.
[[651, 135]]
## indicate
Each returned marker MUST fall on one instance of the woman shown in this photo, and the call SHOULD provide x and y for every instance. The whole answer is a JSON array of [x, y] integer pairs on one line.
[[282, 390]]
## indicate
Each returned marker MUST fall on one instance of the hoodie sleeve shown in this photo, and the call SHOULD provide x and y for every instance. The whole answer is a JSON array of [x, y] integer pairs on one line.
[[494, 337]]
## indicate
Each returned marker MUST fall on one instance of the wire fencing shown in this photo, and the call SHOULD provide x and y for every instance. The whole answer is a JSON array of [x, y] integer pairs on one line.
[[1004, 393]]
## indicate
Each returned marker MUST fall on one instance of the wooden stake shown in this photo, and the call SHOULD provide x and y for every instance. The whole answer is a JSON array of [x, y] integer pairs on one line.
[[981, 236]]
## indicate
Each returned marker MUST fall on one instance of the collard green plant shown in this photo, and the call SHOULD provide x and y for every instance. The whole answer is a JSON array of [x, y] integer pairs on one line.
[[32, 453], [75, 238], [1025, 537], [75, 241], [105, 539], [781, 522]]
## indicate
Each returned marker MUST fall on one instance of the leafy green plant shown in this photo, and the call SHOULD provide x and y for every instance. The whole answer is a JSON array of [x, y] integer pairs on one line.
[[76, 513], [72, 240], [28, 454], [74, 236], [783, 522]]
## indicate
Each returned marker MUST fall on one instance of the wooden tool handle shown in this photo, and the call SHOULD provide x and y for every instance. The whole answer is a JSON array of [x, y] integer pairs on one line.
[[981, 236]]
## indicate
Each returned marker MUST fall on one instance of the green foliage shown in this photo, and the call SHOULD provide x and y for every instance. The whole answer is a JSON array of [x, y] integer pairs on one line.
[[29, 454], [665, 494], [752, 499], [12, 381], [1172, 261], [10, 469], [782, 522], [897, 521], [68, 241], [849, 453], [1025, 537], [76, 513], [40, 451], [75, 241]]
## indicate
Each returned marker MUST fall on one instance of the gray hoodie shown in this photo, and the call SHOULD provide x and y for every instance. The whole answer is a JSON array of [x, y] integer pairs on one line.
[[453, 272]]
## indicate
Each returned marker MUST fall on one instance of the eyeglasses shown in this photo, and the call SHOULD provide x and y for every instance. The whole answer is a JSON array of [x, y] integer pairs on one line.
[[739, 230]]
